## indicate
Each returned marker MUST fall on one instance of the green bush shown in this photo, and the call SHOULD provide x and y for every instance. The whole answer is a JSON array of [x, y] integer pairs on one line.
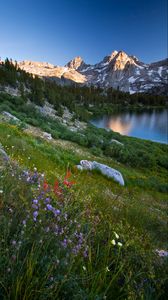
[[96, 151]]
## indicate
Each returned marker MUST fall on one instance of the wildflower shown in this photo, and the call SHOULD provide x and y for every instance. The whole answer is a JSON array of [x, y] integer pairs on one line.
[[85, 253], [49, 207], [116, 235], [35, 214], [57, 189], [35, 169], [34, 206], [57, 212], [47, 229], [45, 185], [65, 216], [64, 243], [24, 222], [113, 242], [1, 191], [35, 201], [107, 269], [13, 242], [68, 174], [84, 268], [119, 244], [47, 200], [68, 183]]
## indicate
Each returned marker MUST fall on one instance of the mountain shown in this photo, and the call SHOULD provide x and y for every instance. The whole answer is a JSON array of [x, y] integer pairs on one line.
[[117, 70]]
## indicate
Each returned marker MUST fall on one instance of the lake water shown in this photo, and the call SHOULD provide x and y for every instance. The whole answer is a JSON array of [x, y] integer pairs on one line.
[[149, 124]]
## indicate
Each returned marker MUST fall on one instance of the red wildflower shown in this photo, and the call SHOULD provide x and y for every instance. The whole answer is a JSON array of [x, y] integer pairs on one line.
[[68, 174], [68, 183], [45, 185], [57, 189]]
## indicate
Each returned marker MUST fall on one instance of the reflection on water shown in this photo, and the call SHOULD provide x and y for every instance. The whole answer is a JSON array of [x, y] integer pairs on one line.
[[147, 124], [120, 126]]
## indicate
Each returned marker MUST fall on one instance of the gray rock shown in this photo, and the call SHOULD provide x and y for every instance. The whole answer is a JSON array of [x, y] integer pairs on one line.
[[47, 135], [116, 142], [3, 153], [86, 165], [10, 116], [162, 253], [109, 172], [104, 169], [79, 167]]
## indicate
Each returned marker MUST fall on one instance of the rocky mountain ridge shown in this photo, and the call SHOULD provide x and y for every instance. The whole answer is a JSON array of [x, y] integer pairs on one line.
[[117, 70]]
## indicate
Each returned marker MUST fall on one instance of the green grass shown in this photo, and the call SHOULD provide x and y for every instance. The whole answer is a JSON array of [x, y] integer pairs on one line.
[[137, 212]]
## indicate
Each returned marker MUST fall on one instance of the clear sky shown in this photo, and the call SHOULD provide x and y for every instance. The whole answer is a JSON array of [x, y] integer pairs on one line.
[[58, 30]]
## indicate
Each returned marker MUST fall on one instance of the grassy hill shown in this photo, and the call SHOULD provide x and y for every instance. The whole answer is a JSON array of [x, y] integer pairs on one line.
[[68, 234]]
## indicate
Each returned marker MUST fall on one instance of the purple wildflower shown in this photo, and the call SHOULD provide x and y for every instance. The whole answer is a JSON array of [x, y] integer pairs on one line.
[[49, 207], [47, 200], [57, 212], [35, 214], [35, 201], [34, 206], [64, 243]]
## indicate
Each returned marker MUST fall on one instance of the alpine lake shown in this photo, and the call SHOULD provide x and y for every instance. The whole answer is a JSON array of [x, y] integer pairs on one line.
[[149, 124]]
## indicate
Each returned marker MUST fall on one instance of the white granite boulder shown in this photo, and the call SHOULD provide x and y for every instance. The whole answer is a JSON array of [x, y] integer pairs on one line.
[[86, 165], [104, 169], [47, 135], [113, 141], [109, 172]]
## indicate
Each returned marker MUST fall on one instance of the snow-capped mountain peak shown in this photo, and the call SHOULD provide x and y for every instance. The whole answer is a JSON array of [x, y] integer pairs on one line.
[[117, 70], [75, 63]]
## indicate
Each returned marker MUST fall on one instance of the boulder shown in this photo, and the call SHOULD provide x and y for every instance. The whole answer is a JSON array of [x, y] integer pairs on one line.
[[162, 253], [3, 153], [86, 165], [47, 135], [79, 167], [109, 172], [104, 169], [113, 141], [10, 116]]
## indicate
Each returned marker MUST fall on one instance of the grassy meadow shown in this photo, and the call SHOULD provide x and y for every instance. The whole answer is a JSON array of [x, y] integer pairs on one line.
[[67, 234]]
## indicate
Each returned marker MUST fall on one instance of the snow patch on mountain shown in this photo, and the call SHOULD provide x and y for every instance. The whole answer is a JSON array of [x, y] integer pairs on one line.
[[117, 70]]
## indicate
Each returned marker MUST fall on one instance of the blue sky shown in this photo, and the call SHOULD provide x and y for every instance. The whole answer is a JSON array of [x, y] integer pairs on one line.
[[57, 31]]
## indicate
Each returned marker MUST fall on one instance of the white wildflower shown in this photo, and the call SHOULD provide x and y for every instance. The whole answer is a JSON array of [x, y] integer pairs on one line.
[[116, 235], [113, 242]]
